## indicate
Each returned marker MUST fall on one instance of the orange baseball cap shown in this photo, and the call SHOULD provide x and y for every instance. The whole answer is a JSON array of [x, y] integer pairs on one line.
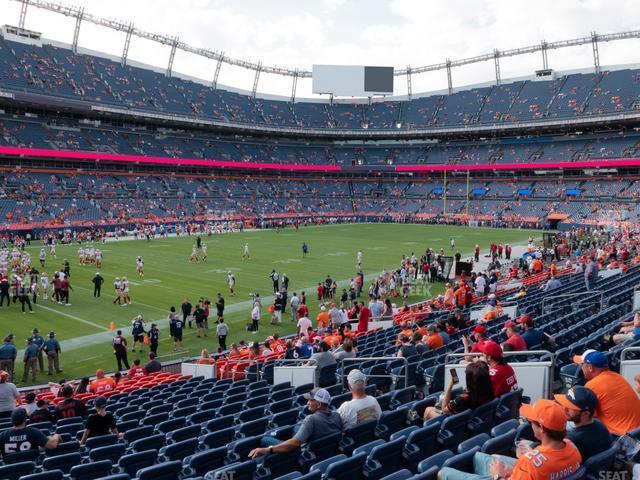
[[547, 413]]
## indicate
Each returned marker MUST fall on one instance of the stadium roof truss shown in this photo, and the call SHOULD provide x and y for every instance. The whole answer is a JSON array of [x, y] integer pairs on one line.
[[219, 56]]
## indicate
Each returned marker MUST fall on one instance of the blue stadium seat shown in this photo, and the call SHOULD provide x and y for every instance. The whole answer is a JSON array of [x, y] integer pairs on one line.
[[501, 444], [322, 465], [170, 425], [101, 441], [357, 435], [349, 469], [475, 441], [91, 471], [403, 474], [133, 462], [254, 427], [239, 451], [134, 434], [462, 461], [404, 433], [21, 457], [453, 430], [287, 417], [319, 449], [17, 470], [200, 463], [384, 459], [152, 442], [391, 422], [68, 446], [219, 438], [483, 418], [219, 423], [237, 471], [277, 464], [184, 433], [109, 452], [368, 447], [202, 416], [504, 427], [48, 475], [420, 444], [429, 474], [435, 460], [279, 406], [62, 462], [509, 406], [162, 471], [601, 462], [179, 450]]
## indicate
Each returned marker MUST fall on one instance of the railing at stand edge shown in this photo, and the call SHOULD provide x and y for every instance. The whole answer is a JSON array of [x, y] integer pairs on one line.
[[341, 373], [587, 295]]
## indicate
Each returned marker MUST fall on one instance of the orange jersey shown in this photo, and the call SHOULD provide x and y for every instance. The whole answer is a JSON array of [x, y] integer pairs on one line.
[[101, 385], [618, 405], [435, 341], [332, 340], [544, 463], [323, 319]]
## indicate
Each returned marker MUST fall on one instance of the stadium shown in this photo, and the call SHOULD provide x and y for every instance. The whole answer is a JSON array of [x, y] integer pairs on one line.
[[361, 276]]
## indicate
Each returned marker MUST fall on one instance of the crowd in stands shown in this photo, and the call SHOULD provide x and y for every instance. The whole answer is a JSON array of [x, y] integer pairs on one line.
[[36, 197], [558, 437], [60, 72]]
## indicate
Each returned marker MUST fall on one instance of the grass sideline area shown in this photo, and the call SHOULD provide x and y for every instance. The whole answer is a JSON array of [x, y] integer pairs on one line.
[[83, 327]]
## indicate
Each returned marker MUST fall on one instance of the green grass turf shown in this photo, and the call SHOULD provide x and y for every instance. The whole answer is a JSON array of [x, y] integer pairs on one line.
[[169, 278]]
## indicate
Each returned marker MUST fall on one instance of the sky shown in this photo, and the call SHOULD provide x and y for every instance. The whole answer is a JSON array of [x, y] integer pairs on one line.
[[300, 33]]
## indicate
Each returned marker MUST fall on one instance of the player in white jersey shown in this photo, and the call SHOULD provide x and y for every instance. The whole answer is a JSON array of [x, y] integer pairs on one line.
[[126, 298], [15, 257], [44, 283], [231, 279], [117, 285], [140, 266], [52, 250], [359, 259], [205, 252], [98, 258], [245, 252], [43, 257], [81, 256], [194, 254]]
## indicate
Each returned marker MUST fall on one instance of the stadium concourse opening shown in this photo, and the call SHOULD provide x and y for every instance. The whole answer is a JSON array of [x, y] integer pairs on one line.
[[203, 282]]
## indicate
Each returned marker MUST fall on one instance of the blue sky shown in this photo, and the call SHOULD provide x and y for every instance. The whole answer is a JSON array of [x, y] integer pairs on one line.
[[375, 32]]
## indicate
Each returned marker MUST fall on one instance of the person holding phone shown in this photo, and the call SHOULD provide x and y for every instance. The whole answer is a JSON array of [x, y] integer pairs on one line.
[[478, 392]]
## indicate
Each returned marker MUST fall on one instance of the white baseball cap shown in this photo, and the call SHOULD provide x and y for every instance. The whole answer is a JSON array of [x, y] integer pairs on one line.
[[319, 395]]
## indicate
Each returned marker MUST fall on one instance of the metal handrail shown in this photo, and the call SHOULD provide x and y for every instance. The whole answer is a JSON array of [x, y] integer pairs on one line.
[[367, 359], [567, 295], [628, 349]]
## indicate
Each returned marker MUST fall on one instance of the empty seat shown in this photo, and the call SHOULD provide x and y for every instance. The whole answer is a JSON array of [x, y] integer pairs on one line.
[[319, 449], [219, 438], [453, 430], [509, 406], [384, 459], [134, 434], [170, 425], [48, 475], [62, 462], [162, 471], [184, 433], [504, 427], [277, 464], [152, 442], [391, 422], [237, 471], [101, 441], [202, 462], [108, 452], [349, 469], [502, 444], [133, 462], [288, 417], [254, 427], [251, 414], [602, 462], [420, 444], [357, 435], [91, 471], [239, 451], [462, 461], [322, 465], [179, 450], [435, 460], [17, 470], [475, 441], [219, 423], [483, 417]]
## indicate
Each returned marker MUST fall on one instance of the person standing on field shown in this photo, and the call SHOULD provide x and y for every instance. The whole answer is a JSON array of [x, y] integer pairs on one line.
[[52, 349], [39, 342], [222, 330], [30, 360], [120, 350]]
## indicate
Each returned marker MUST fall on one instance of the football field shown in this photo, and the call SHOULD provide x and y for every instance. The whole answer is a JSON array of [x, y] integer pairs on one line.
[[83, 327]]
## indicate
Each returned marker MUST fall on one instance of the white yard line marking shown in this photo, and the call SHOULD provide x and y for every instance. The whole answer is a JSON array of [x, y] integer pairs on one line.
[[65, 314]]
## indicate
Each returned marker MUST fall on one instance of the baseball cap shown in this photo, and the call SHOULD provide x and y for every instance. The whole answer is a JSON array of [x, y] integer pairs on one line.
[[479, 329], [578, 398], [319, 395], [547, 413], [491, 349], [356, 378], [592, 357], [526, 320], [509, 324], [18, 416], [100, 402]]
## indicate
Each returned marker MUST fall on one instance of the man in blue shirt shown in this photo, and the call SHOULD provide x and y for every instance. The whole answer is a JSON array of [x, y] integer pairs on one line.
[[39, 342], [52, 349], [590, 435], [8, 354], [532, 336], [30, 360], [21, 438]]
